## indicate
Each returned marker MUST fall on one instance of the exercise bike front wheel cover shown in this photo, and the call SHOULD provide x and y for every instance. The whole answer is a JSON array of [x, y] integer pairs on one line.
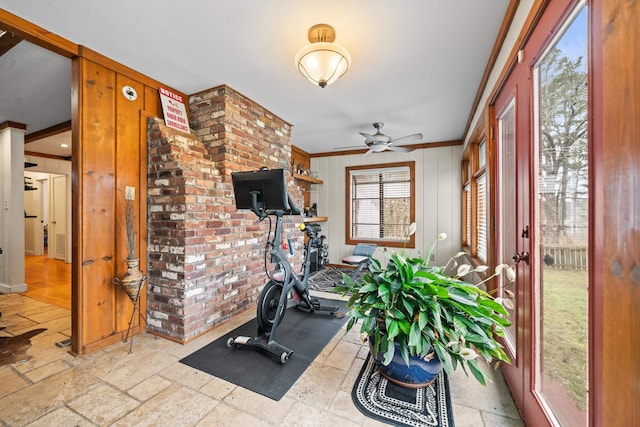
[[268, 305]]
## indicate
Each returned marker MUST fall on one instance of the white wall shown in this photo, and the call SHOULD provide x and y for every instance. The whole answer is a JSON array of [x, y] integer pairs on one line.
[[12, 210], [438, 193], [50, 168], [512, 35]]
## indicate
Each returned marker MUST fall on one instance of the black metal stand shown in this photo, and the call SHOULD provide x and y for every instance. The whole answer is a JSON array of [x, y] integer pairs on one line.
[[136, 307]]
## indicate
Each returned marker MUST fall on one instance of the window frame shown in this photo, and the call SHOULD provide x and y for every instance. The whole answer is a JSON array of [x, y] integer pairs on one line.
[[411, 243], [472, 171]]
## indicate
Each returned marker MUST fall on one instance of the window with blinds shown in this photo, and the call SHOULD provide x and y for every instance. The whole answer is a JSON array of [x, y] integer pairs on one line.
[[475, 190], [467, 214], [481, 216], [381, 203]]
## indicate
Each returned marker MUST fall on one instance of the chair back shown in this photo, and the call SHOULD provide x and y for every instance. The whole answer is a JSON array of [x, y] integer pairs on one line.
[[365, 249]]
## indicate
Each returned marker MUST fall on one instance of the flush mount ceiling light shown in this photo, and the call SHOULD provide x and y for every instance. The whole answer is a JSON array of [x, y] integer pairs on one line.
[[322, 62]]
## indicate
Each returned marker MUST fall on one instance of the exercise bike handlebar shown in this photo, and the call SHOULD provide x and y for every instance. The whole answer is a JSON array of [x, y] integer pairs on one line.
[[263, 213], [293, 209]]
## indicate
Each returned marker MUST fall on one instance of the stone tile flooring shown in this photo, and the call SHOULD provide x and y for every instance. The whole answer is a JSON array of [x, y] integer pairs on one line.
[[112, 387]]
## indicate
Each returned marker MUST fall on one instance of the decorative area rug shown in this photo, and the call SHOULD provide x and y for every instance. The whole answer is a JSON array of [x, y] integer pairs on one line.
[[385, 401], [325, 279], [14, 349], [305, 333]]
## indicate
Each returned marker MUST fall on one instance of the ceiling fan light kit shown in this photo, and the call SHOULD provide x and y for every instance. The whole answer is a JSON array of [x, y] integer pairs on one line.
[[322, 62], [376, 137]]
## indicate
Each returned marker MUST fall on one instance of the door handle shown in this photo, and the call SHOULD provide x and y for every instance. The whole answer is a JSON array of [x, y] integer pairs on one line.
[[524, 256]]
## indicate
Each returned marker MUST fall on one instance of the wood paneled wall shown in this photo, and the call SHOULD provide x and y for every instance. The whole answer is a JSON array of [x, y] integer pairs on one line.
[[438, 207], [301, 159], [615, 247], [111, 154]]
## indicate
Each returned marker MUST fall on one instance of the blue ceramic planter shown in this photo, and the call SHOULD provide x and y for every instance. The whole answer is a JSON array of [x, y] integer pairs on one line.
[[418, 374]]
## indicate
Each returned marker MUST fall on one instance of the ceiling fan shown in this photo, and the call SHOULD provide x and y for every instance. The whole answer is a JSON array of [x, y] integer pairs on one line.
[[379, 142]]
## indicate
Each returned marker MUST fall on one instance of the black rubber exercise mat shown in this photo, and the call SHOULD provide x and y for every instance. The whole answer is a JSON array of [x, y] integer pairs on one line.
[[305, 333]]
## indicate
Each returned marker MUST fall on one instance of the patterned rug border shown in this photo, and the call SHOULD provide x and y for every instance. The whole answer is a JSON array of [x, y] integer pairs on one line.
[[404, 413], [325, 279]]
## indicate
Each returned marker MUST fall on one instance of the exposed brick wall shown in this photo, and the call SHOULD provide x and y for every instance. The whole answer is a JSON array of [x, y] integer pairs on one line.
[[206, 257]]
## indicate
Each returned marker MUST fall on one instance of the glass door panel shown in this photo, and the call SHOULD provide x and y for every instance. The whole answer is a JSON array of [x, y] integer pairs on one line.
[[507, 213], [561, 208]]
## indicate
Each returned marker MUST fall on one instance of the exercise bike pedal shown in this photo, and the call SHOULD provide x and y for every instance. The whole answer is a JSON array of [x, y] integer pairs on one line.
[[278, 350], [316, 306]]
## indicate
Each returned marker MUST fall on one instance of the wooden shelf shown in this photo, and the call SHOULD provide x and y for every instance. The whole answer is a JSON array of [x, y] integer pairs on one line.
[[316, 219], [308, 179]]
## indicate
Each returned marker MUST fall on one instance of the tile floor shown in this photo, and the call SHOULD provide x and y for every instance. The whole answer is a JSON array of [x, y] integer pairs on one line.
[[150, 386]]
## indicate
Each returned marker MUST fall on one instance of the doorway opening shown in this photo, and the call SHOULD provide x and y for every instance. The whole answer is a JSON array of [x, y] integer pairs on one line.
[[36, 88], [47, 237]]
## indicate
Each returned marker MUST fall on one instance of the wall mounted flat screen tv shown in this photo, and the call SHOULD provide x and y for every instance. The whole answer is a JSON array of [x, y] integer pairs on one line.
[[269, 185]]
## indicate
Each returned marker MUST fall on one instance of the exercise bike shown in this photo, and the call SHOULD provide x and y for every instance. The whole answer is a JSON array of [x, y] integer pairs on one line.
[[264, 191]]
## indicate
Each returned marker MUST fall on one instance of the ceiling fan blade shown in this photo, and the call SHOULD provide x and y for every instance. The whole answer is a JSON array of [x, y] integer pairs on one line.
[[400, 149], [417, 136], [368, 152]]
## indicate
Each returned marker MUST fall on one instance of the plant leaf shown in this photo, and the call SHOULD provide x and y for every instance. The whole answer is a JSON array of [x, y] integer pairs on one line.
[[461, 296], [367, 287], [480, 376], [408, 305], [477, 338], [422, 320], [414, 334], [383, 290], [388, 355], [404, 326], [444, 356], [404, 352], [392, 327]]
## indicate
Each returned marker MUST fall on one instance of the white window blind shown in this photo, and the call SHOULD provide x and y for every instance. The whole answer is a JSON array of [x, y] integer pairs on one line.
[[467, 192], [481, 216], [380, 203]]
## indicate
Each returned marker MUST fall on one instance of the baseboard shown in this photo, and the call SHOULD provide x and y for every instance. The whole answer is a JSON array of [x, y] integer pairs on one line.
[[8, 289]]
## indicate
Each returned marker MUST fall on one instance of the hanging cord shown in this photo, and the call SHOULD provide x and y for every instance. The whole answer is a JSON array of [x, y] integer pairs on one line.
[[269, 244], [267, 250]]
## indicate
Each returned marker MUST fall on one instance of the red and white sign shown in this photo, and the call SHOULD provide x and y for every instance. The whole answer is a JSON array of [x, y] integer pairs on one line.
[[175, 113]]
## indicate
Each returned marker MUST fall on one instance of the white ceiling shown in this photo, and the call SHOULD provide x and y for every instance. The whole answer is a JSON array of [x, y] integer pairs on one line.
[[416, 64]]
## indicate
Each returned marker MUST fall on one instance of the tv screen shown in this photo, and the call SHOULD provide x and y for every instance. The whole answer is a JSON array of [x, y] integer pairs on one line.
[[269, 185]]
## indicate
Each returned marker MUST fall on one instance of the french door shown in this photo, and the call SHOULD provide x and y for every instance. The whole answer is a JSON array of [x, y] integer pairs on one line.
[[541, 205]]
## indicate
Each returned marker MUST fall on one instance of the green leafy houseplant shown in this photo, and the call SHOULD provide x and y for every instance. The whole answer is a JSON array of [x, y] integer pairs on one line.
[[428, 312]]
